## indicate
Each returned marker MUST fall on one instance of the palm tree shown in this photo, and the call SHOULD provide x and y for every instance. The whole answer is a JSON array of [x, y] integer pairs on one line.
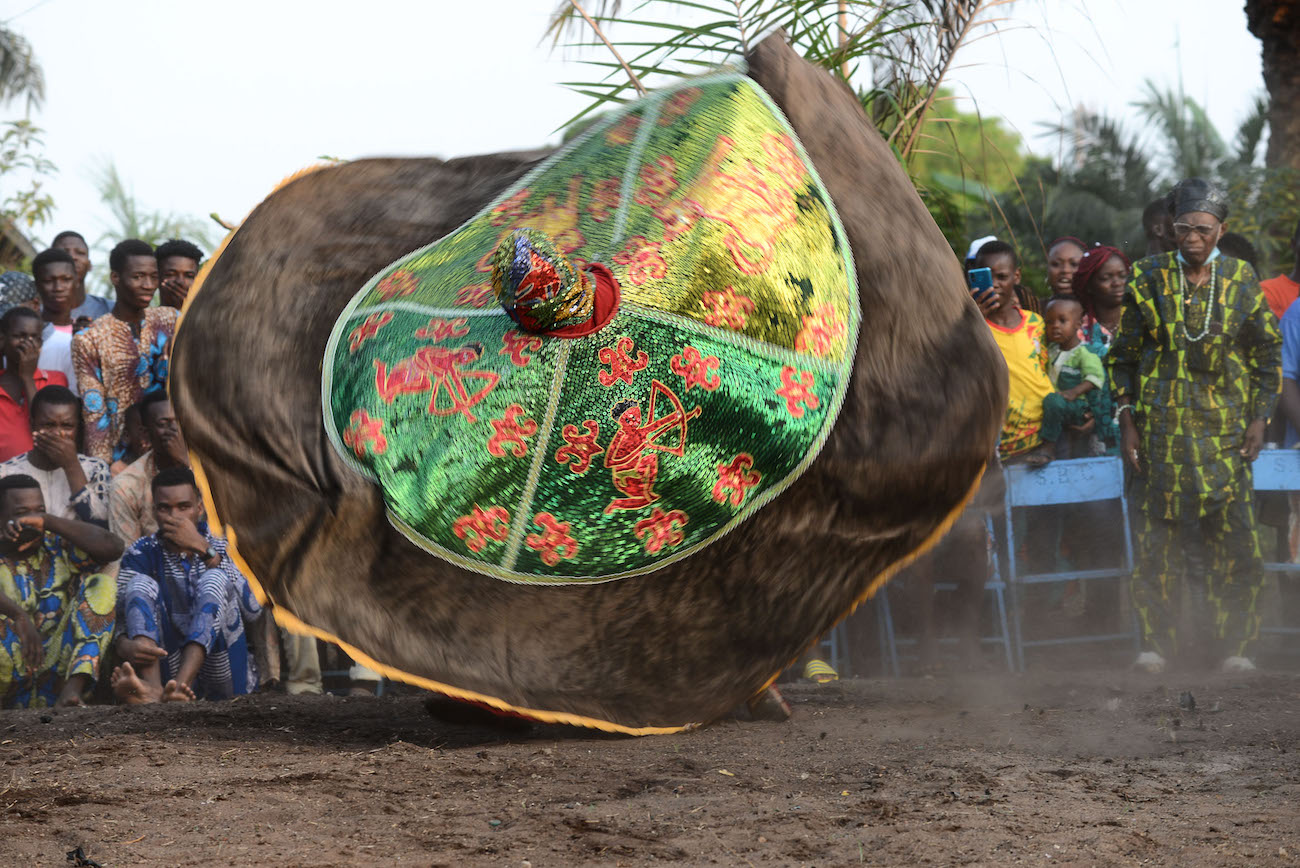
[[20, 74], [1276, 23]]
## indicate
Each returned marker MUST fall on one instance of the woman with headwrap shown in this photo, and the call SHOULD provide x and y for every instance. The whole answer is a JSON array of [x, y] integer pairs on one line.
[[17, 288], [1195, 370]]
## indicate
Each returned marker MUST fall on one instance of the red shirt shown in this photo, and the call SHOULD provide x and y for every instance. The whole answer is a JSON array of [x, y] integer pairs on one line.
[[15, 422], [1280, 292]]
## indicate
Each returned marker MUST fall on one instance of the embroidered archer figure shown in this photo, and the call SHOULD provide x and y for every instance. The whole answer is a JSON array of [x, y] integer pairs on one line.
[[631, 455], [438, 370]]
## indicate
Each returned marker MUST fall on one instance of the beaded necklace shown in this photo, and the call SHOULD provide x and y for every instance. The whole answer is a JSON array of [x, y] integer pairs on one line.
[[1187, 300]]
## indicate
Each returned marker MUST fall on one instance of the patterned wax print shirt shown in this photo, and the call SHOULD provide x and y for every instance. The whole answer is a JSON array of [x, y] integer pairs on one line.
[[115, 370], [1025, 352], [72, 607], [1195, 398], [90, 504]]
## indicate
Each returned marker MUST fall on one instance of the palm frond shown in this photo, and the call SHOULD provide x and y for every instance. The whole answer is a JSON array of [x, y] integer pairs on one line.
[[20, 74]]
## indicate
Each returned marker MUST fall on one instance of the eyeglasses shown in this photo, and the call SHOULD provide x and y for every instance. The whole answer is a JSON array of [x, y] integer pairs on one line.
[[1204, 230]]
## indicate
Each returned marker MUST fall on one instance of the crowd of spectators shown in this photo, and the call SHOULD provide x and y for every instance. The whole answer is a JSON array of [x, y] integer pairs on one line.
[[112, 586]]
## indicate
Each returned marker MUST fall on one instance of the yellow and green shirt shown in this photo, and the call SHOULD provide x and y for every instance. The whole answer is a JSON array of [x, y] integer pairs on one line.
[[1026, 353]]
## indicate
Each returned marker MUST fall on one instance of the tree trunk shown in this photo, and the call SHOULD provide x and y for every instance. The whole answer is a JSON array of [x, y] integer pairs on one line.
[[1276, 23]]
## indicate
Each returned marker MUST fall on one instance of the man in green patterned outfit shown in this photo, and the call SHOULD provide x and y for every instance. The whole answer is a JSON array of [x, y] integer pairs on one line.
[[1195, 370]]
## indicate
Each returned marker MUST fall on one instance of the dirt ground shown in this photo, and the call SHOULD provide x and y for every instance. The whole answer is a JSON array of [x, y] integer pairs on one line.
[[1094, 767]]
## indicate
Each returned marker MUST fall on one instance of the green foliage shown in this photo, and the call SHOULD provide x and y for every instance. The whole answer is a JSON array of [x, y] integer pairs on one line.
[[129, 219], [24, 171], [20, 74], [1265, 207]]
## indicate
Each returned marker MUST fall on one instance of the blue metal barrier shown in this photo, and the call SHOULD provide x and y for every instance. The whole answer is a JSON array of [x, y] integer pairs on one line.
[[1279, 470], [1081, 480]]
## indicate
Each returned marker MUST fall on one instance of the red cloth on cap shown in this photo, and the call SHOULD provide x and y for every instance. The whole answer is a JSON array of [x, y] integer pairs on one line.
[[1093, 260]]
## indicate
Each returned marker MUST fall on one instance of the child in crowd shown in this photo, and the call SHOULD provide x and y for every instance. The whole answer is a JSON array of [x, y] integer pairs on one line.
[[1077, 376]]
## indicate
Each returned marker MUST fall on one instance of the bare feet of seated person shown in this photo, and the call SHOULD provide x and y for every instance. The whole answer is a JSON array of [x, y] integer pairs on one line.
[[128, 687], [178, 691]]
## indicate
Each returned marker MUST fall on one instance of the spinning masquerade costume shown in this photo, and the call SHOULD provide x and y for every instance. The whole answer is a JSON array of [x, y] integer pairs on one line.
[[632, 370]]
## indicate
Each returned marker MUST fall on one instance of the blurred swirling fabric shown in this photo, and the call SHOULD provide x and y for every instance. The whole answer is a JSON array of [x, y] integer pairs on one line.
[[532, 458]]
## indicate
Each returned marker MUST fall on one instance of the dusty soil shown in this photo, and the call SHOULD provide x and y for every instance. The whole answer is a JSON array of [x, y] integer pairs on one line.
[[1087, 768]]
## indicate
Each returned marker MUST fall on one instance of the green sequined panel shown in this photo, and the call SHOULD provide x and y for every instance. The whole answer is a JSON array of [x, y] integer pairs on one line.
[[552, 460]]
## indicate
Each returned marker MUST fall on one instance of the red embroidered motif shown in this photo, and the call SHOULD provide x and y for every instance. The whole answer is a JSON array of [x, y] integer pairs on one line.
[[624, 132], [441, 329], [475, 295], [579, 447], [368, 329], [797, 390], [482, 526], [363, 429], [400, 282], [510, 208], [657, 181], [605, 197], [437, 370], [661, 529], [677, 105], [695, 370], [726, 309], [554, 542], [784, 160], [621, 365], [630, 456], [510, 431], [737, 477], [515, 344], [642, 260], [677, 216], [820, 331]]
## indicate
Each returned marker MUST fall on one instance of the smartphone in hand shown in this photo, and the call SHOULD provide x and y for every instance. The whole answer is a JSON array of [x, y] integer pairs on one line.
[[981, 283]]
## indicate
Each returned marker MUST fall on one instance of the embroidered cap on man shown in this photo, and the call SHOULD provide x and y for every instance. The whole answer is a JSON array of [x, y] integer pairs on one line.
[[1195, 370]]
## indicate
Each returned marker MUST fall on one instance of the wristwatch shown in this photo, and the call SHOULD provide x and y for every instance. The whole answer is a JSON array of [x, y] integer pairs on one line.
[[209, 554]]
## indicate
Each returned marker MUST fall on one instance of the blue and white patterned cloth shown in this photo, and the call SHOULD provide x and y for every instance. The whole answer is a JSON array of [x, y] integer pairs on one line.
[[174, 600]]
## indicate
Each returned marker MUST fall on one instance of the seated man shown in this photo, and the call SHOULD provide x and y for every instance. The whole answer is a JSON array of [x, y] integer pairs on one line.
[[20, 332], [183, 603], [57, 605], [130, 501], [73, 485]]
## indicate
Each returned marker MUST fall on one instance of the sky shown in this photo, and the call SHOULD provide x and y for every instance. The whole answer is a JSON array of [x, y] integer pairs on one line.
[[205, 106]]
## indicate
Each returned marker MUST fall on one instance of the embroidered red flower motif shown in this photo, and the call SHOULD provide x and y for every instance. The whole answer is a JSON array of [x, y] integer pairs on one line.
[[441, 329], [727, 309], [622, 365], [509, 432], [605, 197], [821, 329], [554, 543], [579, 448], [797, 390], [784, 160], [400, 282], [475, 295], [482, 526], [657, 181], [661, 529], [642, 260], [623, 132], [736, 479], [515, 344], [695, 369], [677, 216], [368, 329], [363, 434], [511, 208], [677, 105]]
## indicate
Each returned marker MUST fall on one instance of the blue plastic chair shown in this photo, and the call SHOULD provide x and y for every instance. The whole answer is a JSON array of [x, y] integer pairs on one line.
[[1081, 480], [890, 642], [1279, 470]]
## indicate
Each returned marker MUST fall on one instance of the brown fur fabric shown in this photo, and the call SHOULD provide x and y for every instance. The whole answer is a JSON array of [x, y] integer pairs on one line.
[[680, 645]]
